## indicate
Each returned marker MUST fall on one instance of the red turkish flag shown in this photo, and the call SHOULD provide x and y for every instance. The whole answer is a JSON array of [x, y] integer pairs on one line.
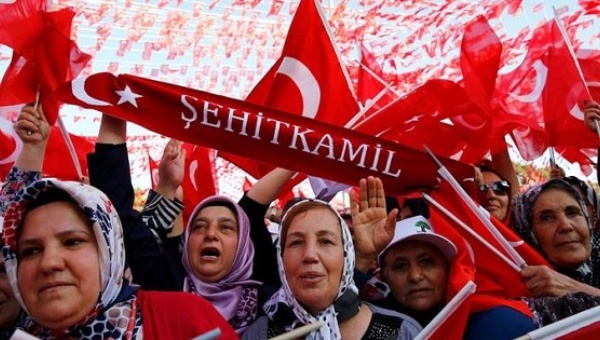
[[493, 276], [369, 87], [21, 23], [437, 108], [39, 67], [58, 161], [307, 80], [563, 97], [480, 53], [519, 108]]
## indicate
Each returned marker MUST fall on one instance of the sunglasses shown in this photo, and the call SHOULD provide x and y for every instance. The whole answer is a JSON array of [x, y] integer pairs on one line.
[[499, 188]]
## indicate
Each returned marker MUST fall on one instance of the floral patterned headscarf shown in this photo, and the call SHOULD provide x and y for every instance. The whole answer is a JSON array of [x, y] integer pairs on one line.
[[115, 314]]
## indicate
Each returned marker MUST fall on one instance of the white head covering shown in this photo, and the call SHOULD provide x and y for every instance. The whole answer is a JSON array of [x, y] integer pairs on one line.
[[346, 303]]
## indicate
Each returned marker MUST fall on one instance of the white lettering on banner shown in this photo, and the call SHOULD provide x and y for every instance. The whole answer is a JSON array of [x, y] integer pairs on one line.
[[259, 119], [187, 104], [302, 139], [215, 113], [329, 145], [232, 117], [276, 130], [376, 158], [348, 145], [302, 136]]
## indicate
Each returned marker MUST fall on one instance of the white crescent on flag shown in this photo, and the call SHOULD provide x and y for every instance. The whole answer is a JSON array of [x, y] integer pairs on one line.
[[192, 173], [541, 73], [78, 89], [6, 127], [575, 110], [306, 82]]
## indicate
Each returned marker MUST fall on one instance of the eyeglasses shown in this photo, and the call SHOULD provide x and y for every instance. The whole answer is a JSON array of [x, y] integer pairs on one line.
[[499, 187]]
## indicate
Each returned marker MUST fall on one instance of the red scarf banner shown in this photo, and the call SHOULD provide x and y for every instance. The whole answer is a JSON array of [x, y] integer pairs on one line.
[[258, 132]]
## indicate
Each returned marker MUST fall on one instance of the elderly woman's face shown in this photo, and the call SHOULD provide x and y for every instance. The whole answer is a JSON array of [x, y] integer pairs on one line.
[[417, 274], [212, 243], [58, 271], [561, 228], [313, 258]]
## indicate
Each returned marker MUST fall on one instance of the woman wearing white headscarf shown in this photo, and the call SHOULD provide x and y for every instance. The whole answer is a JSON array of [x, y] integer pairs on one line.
[[316, 263]]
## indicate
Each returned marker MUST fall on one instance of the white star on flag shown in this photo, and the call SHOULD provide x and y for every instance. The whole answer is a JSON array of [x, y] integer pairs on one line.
[[128, 96]]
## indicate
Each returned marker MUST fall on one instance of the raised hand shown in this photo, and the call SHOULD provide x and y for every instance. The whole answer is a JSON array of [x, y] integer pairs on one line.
[[33, 130], [373, 226], [31, 126], [171, 169]]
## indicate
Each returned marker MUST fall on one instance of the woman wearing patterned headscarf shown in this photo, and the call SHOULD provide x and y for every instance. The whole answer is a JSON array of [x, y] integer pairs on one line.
[[316, 262], [552, 217], [64, 257]]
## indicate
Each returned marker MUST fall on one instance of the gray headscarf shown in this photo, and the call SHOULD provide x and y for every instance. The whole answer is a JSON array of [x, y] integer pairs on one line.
[[589, 271]]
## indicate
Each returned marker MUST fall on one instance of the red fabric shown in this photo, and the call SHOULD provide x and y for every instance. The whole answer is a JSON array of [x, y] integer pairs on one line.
[[49, 60], [20, 23], [275, 7], [323, 93], [480, 53], [587, 332], [153, 166], [563, 99], [368, 87], [57, 160], [10, 144], [177, 315], [421, 115], [247, 184], [496, 281], [462, 270], [261, 133], [200, 179], [519, 94]]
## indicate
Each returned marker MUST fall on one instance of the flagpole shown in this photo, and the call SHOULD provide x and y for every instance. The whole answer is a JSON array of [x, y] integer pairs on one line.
[[564, 326], [467, 290], [359, 124], [471, 232], [360, 113], [70, 147], [473, 206], [378, 78], [552, 159], [335, 47]]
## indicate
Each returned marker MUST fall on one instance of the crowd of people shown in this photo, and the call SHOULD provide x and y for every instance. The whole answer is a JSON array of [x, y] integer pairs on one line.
[[80, 262]]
